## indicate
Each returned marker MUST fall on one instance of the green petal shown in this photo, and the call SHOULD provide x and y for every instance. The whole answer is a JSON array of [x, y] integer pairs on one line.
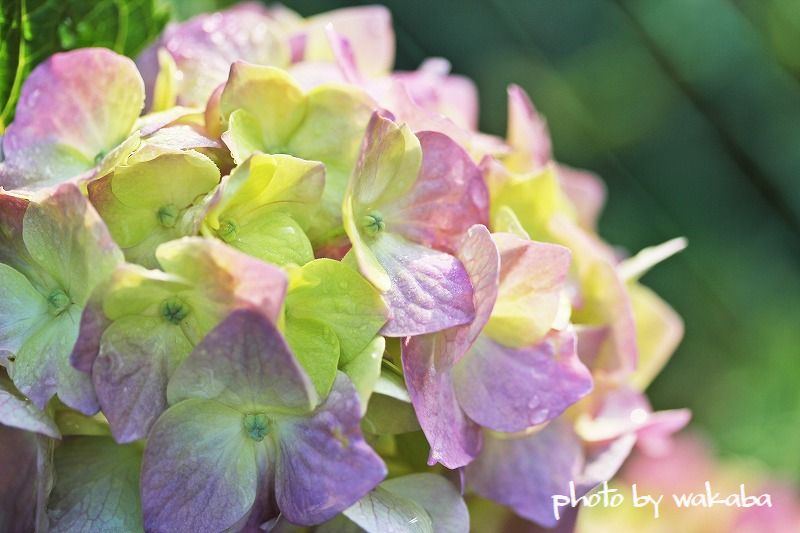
[[280, 182], [331, 291], [22, 309], [275, 238], [134, 290], [151, 196], [276, 102], [243, 136], [97, 486], [365, 369], [42, 366], [534, 198], [341, 109], [316, 348], [69, 241], [199, 471], [381, 510]]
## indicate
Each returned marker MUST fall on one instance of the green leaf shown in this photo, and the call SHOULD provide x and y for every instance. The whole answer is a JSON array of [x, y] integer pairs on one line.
[[97, 486], [32, 30]]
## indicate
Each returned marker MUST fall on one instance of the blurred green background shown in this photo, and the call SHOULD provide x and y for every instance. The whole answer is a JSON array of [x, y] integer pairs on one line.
[[689, 109]]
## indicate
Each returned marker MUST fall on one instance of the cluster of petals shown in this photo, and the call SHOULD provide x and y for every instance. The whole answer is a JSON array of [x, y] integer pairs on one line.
[[236, 273]]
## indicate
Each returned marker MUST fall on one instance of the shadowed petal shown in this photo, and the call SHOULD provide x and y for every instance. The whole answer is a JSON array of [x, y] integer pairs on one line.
[[325, 465], [244, 362]]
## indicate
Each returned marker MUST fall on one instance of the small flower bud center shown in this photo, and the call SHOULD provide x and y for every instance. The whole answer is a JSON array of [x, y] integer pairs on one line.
[[256, 425], [168, 215], [228, 230], [58, 301], [373, 223], [174, 310]]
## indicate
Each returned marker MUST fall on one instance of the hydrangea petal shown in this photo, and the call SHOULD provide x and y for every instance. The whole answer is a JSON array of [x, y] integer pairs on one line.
[[145, 203], [511, 389], [448, 197], [430, 290], [532, 275], [97, 486], [18, 412], [204, 47], [19, 475], [244, 362], [432, 87], [454, 439], [42, 366], [604, 299], [527, 133], [136, 356], [324, 464], [270, 96], [586, 191], [659, 330], [339, 296], [68, 240], [364, 370], [368, 29], [382, 510], [316, 348], [199, 469], [438, 496], [230, 274], [23, 309], [74, 108], [524, 472]]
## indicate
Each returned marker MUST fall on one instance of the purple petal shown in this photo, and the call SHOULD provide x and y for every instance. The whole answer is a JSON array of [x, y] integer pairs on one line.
[[527, 133], [448, 197], [509, 390], [324, 464], [74, 108], [12, 213], [18, 480], [368, 29], [430, 290], [205, 46], [199, 469], [244, 362], [433, 88], [136, 357], [428, 360], [18, 412], [524, 472]]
